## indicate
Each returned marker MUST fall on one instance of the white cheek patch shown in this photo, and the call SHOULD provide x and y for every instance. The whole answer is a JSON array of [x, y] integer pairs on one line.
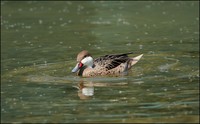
[[88, 61]]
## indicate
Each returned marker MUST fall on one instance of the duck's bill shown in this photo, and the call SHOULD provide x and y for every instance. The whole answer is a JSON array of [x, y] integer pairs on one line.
[[76, 68]]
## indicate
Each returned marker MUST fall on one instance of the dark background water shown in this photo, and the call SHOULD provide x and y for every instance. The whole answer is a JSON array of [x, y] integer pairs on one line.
[[40, 41]]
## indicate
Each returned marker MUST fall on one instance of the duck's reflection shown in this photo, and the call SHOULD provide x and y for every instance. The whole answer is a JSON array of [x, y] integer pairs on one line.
[[86, 89]]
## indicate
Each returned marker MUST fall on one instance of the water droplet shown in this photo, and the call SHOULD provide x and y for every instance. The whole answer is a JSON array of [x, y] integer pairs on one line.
[[128, 44], [62, 25], [69, 21], [60, 19], [154, 25], [50, 27], [148, 6], [28, 27], [31, 9], [3, 110], [20, 9], [50, 112], [165, 89], [140, 46], [138, 39], [40, 21], [50, 32], [45, 62], [163, 12], [165, 38], [98, 47]]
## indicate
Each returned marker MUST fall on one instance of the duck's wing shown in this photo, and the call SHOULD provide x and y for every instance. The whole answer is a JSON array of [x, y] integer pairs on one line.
[[111, 61]]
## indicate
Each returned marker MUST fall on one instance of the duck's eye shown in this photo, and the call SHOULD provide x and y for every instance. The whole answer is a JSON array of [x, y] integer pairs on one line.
[[85, 56]]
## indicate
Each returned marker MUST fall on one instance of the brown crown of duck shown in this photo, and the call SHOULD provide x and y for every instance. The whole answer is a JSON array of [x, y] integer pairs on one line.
[[82, 55]]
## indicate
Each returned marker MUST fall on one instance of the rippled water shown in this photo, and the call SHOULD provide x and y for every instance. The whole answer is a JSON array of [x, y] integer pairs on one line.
[[40, 40]]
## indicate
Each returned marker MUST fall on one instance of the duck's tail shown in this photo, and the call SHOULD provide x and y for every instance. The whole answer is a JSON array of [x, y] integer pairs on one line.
[[135, 59], [131, 62]]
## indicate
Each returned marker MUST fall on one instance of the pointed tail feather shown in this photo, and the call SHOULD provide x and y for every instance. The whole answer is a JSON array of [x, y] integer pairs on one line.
[[136, 59]]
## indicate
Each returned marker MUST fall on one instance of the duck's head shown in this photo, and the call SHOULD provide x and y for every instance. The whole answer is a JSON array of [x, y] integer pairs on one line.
[[83, 59]]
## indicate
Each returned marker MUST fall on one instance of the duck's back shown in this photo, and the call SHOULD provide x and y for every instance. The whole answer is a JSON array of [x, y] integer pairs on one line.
[[109, 62]]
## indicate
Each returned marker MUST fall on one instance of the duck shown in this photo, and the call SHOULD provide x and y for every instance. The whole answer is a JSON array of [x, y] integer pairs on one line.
[[107, 65]]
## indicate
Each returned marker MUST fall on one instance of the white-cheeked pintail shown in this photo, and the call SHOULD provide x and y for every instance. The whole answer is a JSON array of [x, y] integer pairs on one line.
[[111, 65]]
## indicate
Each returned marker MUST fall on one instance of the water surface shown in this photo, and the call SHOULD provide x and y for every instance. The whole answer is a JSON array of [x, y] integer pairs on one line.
[[40, 40]]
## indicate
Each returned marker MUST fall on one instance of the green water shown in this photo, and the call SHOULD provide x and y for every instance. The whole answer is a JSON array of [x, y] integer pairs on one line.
[[40, 41]]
